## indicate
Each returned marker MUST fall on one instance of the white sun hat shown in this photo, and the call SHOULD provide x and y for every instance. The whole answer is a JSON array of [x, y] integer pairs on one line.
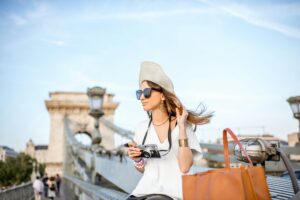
[[151, 71]]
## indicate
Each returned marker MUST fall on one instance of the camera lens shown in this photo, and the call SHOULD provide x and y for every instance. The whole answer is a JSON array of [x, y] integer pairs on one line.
[[147, 154]]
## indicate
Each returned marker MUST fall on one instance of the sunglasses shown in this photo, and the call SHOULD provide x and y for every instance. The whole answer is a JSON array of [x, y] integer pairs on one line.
[[146, 92]]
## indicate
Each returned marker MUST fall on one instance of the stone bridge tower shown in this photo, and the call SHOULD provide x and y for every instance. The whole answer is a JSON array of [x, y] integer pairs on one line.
[[75, 106]]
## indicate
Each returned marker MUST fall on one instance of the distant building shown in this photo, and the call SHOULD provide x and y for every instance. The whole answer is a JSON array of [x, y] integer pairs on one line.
[[6, 152], [39, 152], [293, 139]]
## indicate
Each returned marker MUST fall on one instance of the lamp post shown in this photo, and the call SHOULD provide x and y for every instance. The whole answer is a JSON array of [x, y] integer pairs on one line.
[[96, 95], [295, 106]]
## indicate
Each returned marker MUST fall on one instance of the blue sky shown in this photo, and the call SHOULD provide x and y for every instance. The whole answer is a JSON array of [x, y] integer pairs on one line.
[[240, 58]]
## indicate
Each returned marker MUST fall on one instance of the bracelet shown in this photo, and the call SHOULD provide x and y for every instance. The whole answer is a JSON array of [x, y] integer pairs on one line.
[[183, 142], [139, 166], [137, 161], [140, 163]]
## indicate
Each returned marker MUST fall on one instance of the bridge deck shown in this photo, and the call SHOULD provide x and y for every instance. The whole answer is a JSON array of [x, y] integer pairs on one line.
[[56, 198]]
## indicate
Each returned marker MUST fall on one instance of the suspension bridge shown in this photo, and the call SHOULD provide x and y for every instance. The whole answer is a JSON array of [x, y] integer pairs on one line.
[[94, 172]]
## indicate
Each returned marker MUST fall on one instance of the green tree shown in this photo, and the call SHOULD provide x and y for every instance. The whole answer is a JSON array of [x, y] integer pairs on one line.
[[41, 169], [16, 170]]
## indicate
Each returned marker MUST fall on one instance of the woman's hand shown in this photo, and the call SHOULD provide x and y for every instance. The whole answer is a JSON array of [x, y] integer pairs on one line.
[[133, 151], [181, 118]]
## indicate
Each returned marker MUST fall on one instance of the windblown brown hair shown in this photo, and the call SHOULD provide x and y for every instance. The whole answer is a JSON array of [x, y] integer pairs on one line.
[[172, 102]]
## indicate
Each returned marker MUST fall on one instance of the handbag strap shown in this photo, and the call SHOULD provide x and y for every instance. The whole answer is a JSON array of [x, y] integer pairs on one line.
[[226, 151]]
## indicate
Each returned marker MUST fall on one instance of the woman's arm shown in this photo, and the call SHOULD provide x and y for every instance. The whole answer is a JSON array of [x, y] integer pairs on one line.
[[185, 156]]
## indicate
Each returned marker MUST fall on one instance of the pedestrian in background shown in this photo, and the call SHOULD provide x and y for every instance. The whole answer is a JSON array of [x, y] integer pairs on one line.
[[58, 181], [38, 188], [52, 188], [45, 182]]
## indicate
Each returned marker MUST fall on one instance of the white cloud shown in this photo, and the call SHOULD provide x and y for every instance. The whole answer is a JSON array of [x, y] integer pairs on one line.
[[255, 17], [262, 16]]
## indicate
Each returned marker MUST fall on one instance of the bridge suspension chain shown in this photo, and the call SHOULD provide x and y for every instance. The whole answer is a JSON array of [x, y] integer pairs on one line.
[[120, 131]]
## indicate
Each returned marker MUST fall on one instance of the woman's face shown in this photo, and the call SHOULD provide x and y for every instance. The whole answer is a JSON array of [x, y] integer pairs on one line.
[[153, 101]]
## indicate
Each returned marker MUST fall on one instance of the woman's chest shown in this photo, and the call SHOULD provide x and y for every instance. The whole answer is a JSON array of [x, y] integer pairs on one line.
[[161, 139]]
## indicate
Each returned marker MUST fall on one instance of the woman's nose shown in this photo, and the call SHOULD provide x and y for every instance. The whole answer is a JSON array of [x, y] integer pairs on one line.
[[142, 96]]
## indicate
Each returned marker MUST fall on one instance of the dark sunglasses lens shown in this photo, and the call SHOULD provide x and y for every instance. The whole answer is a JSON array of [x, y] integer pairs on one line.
[[147, 92], [138, 94]]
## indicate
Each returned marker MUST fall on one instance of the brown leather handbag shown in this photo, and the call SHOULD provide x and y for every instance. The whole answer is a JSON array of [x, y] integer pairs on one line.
[[243, 183]]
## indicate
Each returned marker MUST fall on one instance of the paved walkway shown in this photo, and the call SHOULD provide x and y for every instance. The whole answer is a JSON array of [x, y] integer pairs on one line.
[[56, 198], [61, 196]]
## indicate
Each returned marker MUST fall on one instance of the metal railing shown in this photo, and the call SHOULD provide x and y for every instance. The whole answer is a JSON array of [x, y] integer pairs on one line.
[[20, 192], [82, 168], [214, 153]]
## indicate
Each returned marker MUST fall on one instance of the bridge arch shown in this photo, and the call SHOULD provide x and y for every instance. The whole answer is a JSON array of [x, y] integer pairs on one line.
[[84, 137]]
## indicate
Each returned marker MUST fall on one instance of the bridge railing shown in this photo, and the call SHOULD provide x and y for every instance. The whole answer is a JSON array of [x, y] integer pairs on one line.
[[81, 170], [23, 191], [213, 153]]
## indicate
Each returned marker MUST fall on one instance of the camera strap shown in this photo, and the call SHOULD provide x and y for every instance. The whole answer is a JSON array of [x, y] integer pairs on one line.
[[169, 135], [145, 136]]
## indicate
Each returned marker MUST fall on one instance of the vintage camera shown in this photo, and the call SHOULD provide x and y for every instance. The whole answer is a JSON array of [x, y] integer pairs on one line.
[[149, 151]]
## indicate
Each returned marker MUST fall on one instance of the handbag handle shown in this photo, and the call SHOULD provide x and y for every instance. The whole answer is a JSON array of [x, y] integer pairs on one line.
[[226, 151]]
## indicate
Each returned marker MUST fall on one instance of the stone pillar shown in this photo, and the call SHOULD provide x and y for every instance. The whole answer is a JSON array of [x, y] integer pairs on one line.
[[74, 106], [293, 139]]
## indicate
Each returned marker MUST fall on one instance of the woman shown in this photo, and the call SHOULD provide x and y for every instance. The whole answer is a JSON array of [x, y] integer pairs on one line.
[[52, 188], [170, 133]]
